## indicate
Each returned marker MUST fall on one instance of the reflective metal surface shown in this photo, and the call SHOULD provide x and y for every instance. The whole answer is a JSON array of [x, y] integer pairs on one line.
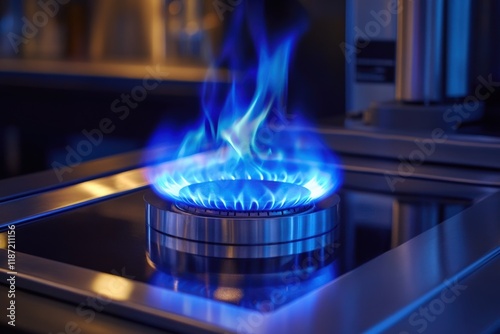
[[159, 307], [165, 217], [157, 241], [182, 241], [415, 117], [419, 75], [302, 258], [26, 185], [109, 237], [384, 294], [453, 149], [412, 218], [36, 206], [379, 296], [433, 61]]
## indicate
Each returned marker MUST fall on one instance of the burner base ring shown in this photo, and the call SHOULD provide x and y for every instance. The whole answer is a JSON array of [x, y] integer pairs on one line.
[[165, 217]]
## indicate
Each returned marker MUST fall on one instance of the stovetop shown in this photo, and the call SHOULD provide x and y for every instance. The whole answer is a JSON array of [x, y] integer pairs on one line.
[[110, 237], [74, 249]]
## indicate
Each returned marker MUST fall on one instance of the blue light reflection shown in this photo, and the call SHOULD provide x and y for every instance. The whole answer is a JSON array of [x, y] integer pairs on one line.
[[256, 292]]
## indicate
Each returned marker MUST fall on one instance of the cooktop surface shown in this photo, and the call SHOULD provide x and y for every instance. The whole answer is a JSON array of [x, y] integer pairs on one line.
[[110, 236]]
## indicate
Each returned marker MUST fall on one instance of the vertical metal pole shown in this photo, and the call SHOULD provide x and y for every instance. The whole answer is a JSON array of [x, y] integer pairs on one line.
[[419, 54]]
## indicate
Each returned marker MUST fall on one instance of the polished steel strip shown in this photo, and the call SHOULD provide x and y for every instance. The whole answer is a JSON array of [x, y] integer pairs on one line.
[[454, 149], [480, 179], [36, 206], [125, 297], [26, 185]]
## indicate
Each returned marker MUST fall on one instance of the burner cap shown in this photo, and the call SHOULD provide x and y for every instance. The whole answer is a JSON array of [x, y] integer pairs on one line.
[[246, 198]]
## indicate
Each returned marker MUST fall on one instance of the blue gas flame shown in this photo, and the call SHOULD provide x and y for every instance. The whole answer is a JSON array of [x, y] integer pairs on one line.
[[245, 137]]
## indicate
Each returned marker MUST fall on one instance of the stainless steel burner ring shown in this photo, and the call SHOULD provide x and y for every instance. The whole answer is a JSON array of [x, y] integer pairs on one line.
[[158, 240], [240, 228]]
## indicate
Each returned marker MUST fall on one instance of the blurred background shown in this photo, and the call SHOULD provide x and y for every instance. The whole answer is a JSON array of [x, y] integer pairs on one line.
[[68, 65], [112, 70]]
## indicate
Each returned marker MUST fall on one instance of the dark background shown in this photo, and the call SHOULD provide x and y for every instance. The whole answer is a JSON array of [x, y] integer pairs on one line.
[[41, 114]]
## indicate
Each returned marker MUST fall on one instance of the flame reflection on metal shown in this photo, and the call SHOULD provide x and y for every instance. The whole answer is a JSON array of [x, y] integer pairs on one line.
[[112, 286]]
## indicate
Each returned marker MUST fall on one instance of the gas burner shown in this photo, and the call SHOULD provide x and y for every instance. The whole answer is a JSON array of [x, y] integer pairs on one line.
[[257, 198], [203, 239], [227, 213], [249, 228], [244, 198]]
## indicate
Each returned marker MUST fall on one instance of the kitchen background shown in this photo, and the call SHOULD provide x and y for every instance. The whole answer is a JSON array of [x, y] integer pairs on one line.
[[64, 63], [68, 65]]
